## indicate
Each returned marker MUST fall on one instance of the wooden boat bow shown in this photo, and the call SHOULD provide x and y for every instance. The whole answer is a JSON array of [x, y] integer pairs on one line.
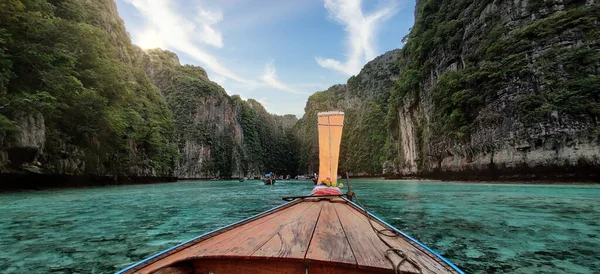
[[309, 235], [321, 233]]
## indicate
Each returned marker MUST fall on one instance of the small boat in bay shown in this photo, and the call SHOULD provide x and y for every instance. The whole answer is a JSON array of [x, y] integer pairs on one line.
[[269, 180], [324, 232]]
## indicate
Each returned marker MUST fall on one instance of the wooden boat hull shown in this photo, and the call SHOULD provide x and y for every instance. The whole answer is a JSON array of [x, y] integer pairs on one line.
[[316, 234], [321, 233]]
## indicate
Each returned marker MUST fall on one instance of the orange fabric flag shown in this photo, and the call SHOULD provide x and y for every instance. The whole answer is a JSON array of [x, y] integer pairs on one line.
[[331, 124]]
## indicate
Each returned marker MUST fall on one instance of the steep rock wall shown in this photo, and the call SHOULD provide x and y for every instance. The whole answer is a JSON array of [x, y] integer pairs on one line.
[[74, 99], [481, 90], [218, 135], [209, 134], [80, 106], [364, 100], [496, 89]]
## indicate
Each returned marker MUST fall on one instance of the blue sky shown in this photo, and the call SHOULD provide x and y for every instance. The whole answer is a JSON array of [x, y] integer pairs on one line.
[[278, 52]]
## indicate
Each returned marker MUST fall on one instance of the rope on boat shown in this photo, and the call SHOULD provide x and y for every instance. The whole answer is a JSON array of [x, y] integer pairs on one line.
[[385, 232], [379, 232]]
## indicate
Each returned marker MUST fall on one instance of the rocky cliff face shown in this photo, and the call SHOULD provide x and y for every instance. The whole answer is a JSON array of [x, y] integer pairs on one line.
[[207, 129], [74, 98], [495, 89], [88, 102], [481, 90], [364, 100], [214, 130]]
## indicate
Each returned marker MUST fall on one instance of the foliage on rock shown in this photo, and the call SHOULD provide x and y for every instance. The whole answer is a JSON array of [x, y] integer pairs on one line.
[[219, 135], [477, 82], [364, 99], [73, 62]]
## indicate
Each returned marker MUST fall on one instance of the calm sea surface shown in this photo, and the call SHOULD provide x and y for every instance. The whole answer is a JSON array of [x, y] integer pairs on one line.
[[482, 228]]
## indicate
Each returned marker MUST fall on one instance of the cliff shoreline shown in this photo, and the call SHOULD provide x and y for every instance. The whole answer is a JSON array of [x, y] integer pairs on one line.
[[525, 175], [530, 175], [36, 181], [481, 90]]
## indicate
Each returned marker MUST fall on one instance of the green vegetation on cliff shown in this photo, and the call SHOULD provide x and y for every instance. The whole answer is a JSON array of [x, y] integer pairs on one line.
[[363, 136], [219, 135], [486, 73], [473, 79], [269, 142], [69, 61], [478, 85], [364, 100], [76, 97], [562, 78]]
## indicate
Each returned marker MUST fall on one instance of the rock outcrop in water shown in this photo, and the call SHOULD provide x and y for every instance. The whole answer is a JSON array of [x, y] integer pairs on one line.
[[485, 90], [78, 99]]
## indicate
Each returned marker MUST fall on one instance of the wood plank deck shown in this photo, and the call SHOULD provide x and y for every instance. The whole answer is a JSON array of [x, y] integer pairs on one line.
[[316, 233], [329, 242]]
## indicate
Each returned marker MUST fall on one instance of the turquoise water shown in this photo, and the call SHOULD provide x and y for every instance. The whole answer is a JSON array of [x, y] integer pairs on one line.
[[482, 228]]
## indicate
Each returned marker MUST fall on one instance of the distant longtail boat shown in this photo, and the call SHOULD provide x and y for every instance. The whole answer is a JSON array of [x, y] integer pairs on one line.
[[324, 232], [269, 179]]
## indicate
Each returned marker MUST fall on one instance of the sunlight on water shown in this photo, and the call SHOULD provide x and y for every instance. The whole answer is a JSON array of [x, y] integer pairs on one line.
[[483, 228]]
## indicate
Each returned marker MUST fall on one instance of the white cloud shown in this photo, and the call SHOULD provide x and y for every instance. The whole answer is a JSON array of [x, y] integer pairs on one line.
[[360, 29], [173, 31], [208, 34], [167, 29], [269, 77]]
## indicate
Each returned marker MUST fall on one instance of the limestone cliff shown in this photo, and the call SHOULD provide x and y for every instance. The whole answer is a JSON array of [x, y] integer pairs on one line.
[[481, 90], [364, 100], [74, 98], [499, 89], [218, 135], [78, 99]]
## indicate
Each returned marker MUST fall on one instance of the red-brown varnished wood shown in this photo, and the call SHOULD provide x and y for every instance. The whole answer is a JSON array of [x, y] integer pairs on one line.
[[292, 240], [365, 244], [325, 234], [329, 242], [217, 266], [426, 260], [226, 240], [333, 269], [244, 243], [209, 247]]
